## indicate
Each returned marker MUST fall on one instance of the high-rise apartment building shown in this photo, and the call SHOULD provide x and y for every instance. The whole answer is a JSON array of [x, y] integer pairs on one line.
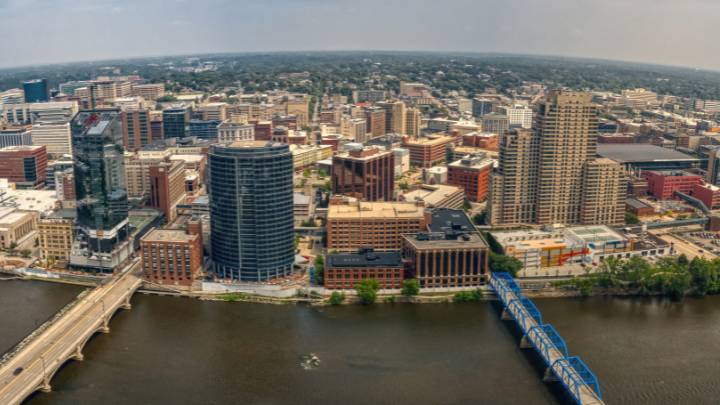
[[102, 206], [136, 128], [413, 121], [137, 170], [251, 210], [552, 175], [167, 187], [375, 117], [394, 116], [354, 128], [368, 174], [519, 116]]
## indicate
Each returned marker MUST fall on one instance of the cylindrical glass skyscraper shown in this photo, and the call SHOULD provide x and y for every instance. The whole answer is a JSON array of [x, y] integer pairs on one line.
[[251, 210]]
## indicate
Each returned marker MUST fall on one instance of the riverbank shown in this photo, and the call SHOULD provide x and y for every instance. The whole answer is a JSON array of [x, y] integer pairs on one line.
[[318, 296]]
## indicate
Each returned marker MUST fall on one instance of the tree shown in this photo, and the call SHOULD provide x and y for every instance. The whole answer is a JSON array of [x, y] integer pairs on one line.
[[499, 262], [403, 186], [306, 173], [367, 290], [631, 219], [410, 287], [479, 219], [466, 205], [327, 186], [25, 253], [296, 241], [166, 98], [319, 270], [703, 275], [336, 298]]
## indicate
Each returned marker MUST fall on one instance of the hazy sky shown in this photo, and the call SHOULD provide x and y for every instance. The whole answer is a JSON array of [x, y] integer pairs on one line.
[[677, 32]]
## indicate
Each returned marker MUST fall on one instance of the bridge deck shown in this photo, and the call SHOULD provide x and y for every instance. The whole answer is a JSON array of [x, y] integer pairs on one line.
[[572, 373], [64, 339]]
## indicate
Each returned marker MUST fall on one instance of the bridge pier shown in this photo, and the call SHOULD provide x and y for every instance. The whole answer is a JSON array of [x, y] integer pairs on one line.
[[549, 376], [505, 316], [105, 328], [525, 343], [45, 386], [126, 304], [78, 354]]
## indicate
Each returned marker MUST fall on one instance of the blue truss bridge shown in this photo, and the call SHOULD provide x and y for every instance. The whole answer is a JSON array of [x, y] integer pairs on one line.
[[577, 379]]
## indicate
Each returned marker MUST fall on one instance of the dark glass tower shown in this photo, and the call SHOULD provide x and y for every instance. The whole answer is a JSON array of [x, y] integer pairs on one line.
[[102, 206], [175, 121], [251, 210], [36, 91]]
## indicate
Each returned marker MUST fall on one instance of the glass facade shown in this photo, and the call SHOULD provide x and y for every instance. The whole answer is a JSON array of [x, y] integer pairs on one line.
[[102, 206], [36, 91], [251, 211], [204, 129], [175, 122]]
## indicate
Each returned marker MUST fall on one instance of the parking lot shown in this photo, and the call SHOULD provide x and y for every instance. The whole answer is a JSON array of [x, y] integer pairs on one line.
[[709, 241]]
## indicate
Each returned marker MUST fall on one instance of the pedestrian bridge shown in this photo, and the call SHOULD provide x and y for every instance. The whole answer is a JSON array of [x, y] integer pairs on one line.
[[31, 365], [577, 379]]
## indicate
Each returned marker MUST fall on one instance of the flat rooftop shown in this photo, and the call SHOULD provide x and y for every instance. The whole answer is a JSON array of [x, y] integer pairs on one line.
[[253, 144], [432, 194], [375, 209], [168, 235], [429, 141], [365, 259], [188, 158], [446, 219], [629, 153], [442, 240], [596, 233]]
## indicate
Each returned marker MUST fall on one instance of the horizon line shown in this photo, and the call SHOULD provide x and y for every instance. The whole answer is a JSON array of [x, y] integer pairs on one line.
[[366, 51]]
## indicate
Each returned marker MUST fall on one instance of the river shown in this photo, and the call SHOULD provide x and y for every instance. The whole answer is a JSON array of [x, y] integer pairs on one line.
[[178, 350]]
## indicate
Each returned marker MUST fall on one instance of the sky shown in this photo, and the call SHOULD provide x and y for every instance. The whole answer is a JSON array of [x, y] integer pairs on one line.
[[667, 32]]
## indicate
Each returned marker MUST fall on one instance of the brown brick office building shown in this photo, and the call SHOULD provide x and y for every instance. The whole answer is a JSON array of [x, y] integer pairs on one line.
[[345, 270]]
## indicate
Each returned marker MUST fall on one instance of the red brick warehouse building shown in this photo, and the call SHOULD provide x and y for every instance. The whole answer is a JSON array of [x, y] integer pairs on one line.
[[345, 270], [171, 256], [663, 184]]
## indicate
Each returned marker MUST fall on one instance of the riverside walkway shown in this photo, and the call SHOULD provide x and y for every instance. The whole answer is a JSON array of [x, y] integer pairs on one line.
[[577, 379], [33, 363]]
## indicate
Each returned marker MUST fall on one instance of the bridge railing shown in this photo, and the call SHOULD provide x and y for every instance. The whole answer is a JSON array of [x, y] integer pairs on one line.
[[574, 375]]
